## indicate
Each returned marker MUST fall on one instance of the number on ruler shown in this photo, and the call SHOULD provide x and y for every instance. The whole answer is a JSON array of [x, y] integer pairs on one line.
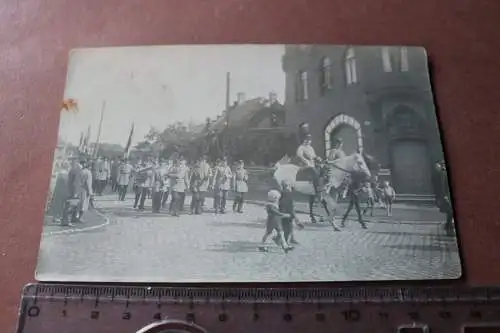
[[157, 316], [64, 313], [33, 311], [287, 317], [351, 315], [126, 316]]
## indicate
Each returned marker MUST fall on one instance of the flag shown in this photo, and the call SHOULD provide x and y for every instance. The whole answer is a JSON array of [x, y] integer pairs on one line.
[[129, 141], [80, 146]]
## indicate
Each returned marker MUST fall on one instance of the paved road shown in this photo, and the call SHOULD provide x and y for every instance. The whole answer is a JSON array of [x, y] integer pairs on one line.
[[146, 247]]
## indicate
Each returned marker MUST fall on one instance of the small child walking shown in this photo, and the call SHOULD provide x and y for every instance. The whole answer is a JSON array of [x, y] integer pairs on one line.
[[286, 206], [274, 222], [388, 195], [370, 198]]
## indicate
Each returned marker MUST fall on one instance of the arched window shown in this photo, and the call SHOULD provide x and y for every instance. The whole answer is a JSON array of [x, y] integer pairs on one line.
[[405, 67], [302, 91], [386, 59], [326, 75], [350, 67]]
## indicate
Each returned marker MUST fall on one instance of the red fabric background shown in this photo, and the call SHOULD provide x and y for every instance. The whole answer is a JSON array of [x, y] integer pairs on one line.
[[461, 37]]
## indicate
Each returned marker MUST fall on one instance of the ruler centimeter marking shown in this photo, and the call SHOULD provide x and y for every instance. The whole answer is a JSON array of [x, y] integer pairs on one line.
[[111, 309]]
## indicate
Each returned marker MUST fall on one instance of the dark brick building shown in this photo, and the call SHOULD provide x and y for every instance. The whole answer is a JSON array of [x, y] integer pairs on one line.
[[378, 99]]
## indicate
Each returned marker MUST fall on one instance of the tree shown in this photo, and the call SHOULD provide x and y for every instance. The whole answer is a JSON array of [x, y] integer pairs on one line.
[[177, 138]]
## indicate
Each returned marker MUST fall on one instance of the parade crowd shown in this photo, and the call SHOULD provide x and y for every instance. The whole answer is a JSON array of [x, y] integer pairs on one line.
[[165, 182]]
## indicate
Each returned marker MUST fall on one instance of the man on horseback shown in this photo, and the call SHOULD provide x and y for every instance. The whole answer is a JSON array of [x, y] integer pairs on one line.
[[307, 156]]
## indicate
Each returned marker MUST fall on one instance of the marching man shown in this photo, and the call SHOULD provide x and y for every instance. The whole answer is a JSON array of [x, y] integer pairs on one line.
[[221, 184], [199, 181], [123, 180], [240, 186], [180, 182]]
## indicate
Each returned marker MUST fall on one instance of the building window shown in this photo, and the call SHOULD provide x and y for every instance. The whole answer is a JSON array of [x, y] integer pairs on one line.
[[350, 67], [405, 66], [386, 59], [302, 93], [326, 75]]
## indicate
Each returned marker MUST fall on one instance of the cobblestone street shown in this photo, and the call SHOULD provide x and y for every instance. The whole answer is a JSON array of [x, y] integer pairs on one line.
[[123, 244]]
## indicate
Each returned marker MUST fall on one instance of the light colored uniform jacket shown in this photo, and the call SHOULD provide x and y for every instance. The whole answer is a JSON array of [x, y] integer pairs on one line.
[[222, 178], [306, 156], [86, 189], [240, 180], [200, 177], [124, 174], [180, 178]]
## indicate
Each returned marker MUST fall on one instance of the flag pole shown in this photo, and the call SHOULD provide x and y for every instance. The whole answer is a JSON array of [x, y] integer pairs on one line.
[[99, 130]]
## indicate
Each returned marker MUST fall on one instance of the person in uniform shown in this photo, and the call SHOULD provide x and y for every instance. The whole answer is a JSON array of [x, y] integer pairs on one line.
[[240, 186], [221, 183], [183, 194], [199, 182], [307, 156], [166, 166], [114, 175], [357, 180], [123, 178], [86, 190], [180, 183], [141, 186], [75, 185], [157, 187]]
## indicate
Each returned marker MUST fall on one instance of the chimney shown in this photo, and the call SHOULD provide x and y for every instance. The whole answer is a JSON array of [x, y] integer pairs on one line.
[[240, 97], [273, 98]]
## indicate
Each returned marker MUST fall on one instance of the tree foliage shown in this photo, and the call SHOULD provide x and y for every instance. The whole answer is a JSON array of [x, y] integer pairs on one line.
[[177, 138]]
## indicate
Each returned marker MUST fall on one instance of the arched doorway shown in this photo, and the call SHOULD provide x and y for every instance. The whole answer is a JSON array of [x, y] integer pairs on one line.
[[409, 152], [348, 129], [349, 137]]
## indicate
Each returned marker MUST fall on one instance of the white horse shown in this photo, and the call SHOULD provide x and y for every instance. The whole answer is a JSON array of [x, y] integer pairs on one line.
[[353, 165]]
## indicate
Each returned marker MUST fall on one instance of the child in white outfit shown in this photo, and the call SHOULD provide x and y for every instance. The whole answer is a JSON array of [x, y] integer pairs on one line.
[[388, 195]]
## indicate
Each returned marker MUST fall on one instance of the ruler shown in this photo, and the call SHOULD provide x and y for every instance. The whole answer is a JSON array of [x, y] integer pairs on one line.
[[54, 308]]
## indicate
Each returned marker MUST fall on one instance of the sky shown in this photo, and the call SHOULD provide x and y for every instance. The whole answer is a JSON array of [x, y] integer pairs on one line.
[[153, 86]]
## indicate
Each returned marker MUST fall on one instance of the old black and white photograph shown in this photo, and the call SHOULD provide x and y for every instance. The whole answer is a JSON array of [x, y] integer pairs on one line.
[[248, 163]]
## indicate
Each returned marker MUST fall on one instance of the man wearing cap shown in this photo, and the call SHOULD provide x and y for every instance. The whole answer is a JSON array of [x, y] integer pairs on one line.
[[221, 183], [199, 182], [180, 183], [307, 156], [86, 193], [240, 186], [166, 166], [157, 186], [124, 174], [141, 185]]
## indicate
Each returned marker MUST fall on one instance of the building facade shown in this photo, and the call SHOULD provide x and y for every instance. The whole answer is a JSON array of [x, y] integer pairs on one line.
[[253, 130], [377, 99]]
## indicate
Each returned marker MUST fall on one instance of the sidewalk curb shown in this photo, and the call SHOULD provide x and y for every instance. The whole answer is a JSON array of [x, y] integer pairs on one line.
[[84, 229]]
